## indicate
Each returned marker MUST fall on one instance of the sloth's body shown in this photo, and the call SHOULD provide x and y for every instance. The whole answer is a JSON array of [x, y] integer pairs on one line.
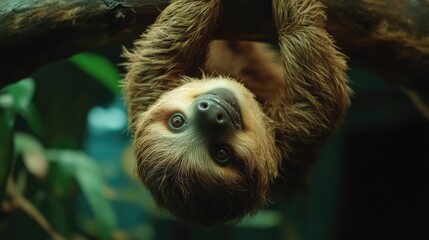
[[209, 146]]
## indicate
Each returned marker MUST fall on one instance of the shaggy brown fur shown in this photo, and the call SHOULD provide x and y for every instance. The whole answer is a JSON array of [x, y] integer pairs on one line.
[[288, 107]]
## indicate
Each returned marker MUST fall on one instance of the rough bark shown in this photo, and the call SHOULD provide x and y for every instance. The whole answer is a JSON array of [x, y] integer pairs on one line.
[[390, 37]]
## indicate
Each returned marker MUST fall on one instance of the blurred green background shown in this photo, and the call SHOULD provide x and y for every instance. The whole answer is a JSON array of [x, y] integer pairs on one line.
[[65, 166]]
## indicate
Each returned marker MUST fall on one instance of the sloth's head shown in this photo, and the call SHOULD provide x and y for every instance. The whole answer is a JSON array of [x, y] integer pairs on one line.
[[206, 151]]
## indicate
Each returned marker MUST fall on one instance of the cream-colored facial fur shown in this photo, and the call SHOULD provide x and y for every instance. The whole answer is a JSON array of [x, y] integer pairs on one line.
[[178, 168]]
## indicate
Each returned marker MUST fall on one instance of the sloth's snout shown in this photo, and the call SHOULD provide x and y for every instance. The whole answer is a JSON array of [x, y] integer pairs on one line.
[[211, 113], [216, 112]]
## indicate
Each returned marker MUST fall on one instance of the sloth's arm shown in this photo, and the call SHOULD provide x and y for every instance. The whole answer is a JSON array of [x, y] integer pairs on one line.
[[174, 45], [316, 94]]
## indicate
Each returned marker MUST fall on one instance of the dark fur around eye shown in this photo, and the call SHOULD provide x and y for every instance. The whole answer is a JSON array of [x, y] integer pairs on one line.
[[222, 154]]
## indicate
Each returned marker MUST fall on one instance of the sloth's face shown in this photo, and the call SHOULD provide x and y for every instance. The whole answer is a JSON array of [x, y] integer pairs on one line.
[[206, 151]]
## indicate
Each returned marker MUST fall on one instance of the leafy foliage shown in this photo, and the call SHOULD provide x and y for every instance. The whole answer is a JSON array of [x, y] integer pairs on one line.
[[14, 99], [58, 170], [77, 165], [99, 68], [6, 148]]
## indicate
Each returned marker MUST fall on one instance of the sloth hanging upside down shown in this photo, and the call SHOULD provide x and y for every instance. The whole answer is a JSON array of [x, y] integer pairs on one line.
[[214, 123]]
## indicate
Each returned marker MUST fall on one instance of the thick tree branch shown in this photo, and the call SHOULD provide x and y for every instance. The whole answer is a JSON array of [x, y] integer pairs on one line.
[[390, 37]]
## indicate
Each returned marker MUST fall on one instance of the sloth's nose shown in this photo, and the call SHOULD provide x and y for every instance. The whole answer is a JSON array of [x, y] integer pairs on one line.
[[216, 113], [211, 114]]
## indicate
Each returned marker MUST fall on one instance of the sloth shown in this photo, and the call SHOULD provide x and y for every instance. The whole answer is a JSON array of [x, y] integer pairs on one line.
[[215, 123]]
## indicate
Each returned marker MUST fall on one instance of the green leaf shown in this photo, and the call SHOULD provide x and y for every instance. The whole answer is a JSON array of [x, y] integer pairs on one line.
[[263, 219], [18, 97], [99, 68], [21, 94], [31, 117], [6, 147], [14, 98], [88, 175], [33, 154], [59, 217], [61, 181]]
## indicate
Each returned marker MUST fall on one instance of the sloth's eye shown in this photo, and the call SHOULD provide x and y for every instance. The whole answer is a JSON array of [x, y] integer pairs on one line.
[[222, 155], [176, 121]]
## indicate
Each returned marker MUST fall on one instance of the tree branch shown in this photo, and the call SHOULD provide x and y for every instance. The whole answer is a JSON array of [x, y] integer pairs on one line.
[[21, 202], [390, 37]]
